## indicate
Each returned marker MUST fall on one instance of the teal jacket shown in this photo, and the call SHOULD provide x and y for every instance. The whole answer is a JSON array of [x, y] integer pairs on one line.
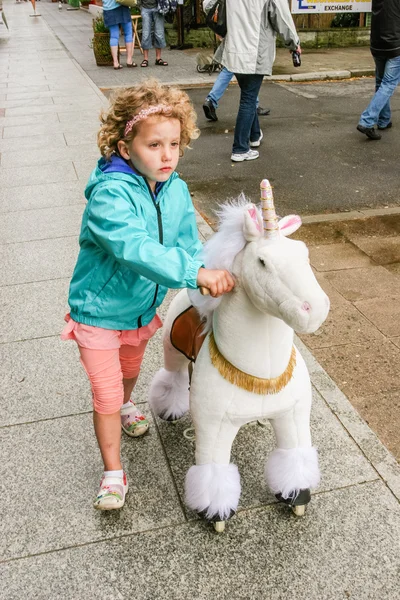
[[134, 245]]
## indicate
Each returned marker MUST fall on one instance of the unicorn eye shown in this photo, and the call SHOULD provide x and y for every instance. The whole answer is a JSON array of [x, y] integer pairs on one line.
[[262, 262]]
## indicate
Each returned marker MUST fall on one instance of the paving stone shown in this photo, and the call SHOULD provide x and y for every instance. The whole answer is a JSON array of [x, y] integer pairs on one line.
[[37, 110], [40, 224], [339, 457], [334, 257], [50, 173], [63, 154], [76, 139], [38, 102], [41, 196], [49, 512], [380, 411], [362, 284], [264, 553], [33, 310], [27, 262], [316, 234], [382, 225], [47, 94], [31, 120], [385, 315], [335, 297], [344, 325], [394, 268], [383, 250], [47, 142], [372, 367], [55, 126]]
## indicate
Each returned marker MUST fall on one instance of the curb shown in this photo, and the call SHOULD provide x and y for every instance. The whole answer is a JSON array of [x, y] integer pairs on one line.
[[323, 75]]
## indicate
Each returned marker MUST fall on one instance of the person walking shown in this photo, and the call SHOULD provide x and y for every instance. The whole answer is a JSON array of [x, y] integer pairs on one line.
[[248, 51], [116, 15], [385, 49], [138, 238], [218, 90], [152, 30]]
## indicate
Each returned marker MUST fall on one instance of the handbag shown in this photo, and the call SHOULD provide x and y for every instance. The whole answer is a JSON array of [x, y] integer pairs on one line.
[[129, 3], [216, 18]]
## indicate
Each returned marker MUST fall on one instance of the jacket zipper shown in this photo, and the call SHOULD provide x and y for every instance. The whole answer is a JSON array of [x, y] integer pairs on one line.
[[160, 239]]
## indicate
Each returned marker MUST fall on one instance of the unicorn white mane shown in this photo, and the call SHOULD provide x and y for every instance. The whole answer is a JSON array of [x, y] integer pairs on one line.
[[220, 250]]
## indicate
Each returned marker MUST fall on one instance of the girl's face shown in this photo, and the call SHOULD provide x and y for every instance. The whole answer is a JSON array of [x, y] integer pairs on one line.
[[154, 151]]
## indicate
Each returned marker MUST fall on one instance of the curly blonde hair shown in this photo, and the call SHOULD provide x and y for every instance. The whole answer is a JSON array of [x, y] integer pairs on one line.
[[126, 103]]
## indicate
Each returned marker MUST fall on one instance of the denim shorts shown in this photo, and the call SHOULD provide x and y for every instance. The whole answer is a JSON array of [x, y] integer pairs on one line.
[[152, 29]]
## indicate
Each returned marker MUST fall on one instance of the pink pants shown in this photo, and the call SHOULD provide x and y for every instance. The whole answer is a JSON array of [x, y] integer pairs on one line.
[[106, 369], [109, 356]]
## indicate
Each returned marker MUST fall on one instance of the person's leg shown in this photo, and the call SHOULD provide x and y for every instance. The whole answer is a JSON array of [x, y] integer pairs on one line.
[[104, 371], [381, 98], [133, 422], [384, 117], [247, 120], [159, 37], [221, 83], [114, 39], [128, 35], [147, 41]]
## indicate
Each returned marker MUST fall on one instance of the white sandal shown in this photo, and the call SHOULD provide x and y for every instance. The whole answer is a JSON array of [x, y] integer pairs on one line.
[[112, 493]]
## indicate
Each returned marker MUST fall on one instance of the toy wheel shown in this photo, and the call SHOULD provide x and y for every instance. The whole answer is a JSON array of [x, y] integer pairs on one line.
[[299, 510], [219, 526]]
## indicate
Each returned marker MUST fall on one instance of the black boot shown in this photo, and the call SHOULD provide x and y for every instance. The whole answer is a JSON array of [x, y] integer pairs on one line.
[[209, 111]]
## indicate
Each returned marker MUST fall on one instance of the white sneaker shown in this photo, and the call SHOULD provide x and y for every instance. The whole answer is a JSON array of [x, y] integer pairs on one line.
[[112, 493], [258, 142], [249, 155]]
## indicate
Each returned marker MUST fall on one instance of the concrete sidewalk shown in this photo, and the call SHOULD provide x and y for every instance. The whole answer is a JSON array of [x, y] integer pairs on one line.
[[53, 544]]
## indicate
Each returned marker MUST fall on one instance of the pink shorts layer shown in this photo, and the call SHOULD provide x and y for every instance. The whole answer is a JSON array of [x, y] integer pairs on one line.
[[97, 338], [109, 356]]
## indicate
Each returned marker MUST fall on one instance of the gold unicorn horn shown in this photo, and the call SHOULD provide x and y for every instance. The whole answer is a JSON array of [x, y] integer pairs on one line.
[[270, 220]]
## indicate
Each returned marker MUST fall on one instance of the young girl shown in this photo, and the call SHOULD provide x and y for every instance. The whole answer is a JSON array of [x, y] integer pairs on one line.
[[138, 238]]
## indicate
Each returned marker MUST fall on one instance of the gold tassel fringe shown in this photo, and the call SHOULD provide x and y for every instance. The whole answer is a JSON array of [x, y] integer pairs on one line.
[[256, 385]]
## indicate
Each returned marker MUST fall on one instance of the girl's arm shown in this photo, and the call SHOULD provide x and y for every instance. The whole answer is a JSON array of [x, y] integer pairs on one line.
[[119, 232]]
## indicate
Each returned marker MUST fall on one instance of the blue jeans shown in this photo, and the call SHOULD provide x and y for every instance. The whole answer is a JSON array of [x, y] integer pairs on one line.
[[387, 78], [152, 27], [247, 126], [219, 87], [114, 33]]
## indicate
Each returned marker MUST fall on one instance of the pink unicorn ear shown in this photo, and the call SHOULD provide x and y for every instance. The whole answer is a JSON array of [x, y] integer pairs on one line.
[[252, 226], [289, 224]]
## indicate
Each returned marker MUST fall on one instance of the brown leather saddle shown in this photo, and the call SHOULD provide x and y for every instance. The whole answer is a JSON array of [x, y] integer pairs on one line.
[[186, 333]]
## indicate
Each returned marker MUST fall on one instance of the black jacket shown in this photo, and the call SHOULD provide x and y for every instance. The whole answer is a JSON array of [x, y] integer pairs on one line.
[[385, 28]]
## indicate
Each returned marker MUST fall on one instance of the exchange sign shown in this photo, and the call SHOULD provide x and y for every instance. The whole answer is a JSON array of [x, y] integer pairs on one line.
[[329, 6]]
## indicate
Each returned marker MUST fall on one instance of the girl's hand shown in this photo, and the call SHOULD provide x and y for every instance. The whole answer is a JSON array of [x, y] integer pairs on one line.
[[217, 281]]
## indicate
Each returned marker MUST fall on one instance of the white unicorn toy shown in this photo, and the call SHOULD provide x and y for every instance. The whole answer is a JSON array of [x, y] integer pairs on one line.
[[248, 368]]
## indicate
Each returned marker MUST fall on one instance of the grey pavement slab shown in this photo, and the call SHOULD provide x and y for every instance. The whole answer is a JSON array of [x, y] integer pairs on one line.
[[31, 120], [40, 224], [340, 461], [27, 262], [32, 310], [56, 509], [72, 125], [49, 173], [62, 155], [264, 554], [45, 195], [41, 142]]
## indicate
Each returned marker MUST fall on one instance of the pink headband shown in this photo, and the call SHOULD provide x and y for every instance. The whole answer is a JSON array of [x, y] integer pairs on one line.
[[143, 114]]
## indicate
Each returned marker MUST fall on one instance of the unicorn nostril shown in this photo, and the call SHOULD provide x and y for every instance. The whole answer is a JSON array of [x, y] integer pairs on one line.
[[306, 307]]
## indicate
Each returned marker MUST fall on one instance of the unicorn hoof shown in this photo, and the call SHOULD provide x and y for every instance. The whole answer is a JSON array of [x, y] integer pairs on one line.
[[293, 500], [219, 526], [299, 510]]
